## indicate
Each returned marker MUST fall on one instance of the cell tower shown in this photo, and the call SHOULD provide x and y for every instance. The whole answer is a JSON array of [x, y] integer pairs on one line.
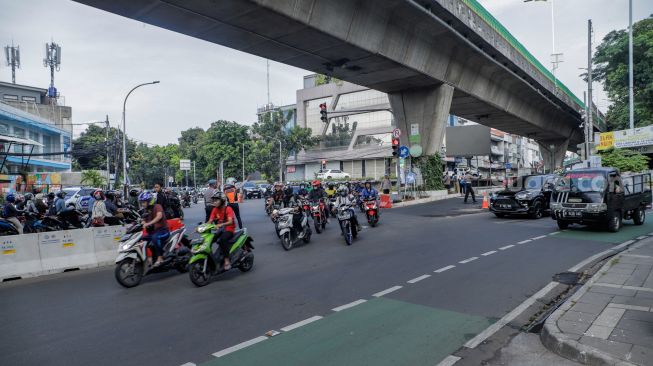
[[53, 61], [12, 55]]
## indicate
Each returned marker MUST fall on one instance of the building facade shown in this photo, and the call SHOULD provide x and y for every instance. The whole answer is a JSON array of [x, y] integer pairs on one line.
[[25, 114]]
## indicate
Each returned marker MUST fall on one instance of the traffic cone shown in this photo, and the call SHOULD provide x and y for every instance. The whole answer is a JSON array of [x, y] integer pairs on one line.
[[486, 203]]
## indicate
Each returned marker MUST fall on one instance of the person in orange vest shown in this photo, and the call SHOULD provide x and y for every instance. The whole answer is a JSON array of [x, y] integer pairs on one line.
[[231, 192]]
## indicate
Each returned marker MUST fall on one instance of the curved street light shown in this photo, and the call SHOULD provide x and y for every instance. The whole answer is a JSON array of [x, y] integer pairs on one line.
[[124, 136]]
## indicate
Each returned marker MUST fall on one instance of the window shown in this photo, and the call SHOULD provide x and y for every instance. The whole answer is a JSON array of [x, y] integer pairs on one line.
[[28, 99], [10, 97], [19, 132]]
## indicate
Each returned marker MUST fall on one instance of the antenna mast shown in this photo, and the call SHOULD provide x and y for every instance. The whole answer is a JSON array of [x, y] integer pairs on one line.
[[53, 61], [12, 55]]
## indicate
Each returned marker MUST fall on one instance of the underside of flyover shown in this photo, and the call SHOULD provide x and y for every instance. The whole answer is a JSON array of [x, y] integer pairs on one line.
[[395, 46]]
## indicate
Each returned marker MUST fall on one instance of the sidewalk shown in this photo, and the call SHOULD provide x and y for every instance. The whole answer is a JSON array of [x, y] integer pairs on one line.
[[442, 195], [609, 321]]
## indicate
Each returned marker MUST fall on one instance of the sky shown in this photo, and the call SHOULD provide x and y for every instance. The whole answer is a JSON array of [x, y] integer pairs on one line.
[[105, 55]]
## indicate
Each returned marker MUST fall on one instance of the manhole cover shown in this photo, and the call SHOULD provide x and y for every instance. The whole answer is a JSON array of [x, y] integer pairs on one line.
[[567, 278]]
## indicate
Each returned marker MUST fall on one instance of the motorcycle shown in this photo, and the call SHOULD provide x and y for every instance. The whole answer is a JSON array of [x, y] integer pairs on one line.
[[132, 263], [332, 205], [186, 201], [286, 230], [7, 228], [318, 212], [270, 206], [195, 198], [207, 259], [345, 218], [371, 211], [32, 223]]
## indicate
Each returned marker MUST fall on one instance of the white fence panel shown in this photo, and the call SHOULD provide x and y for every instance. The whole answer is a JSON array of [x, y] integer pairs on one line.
[[106, 241], [67, 249], [19, 256]]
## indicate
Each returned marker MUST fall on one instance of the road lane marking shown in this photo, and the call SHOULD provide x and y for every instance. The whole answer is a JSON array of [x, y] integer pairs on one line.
[[489, 253], [589, 260], [449, 360], [554, 233], [624, 244], [539, 237], [468, 260], [290, 327], [444, 269], [509, 222], [417, 279], [387, 291], [487, 333], [350, 305], [524, 241], [506, 247], [188, 364], [240, 346]]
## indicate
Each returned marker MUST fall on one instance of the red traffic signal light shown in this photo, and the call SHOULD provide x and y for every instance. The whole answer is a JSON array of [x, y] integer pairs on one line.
[[323, 112], [395, 146]]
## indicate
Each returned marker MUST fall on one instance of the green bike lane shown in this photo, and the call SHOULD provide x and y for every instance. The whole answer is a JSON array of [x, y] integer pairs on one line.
[[423, 322]]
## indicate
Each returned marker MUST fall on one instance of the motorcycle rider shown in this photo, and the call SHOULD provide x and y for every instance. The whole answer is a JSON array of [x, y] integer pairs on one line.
[[231, 193], [30, 206], [303, 192], [277, 194], [225, 217], [208, 193], [345, 198], [154, 216], [331, 190], [288, 194], [369, 192], [41, 205], [11, 213], [317, 194], [133, 197], [60, 203], [162, 199], [99, 210]]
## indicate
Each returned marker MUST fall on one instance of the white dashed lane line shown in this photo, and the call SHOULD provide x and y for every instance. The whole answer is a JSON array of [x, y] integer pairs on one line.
[[489, 253], [506, 247], [350, 305], [444, 269], [387, 291], [539, 237], [290, 327], [239, 346], [417, 279], [524, 241], [468, 260]]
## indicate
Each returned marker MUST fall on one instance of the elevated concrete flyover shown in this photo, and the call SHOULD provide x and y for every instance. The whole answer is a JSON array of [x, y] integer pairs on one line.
[[433, 57]]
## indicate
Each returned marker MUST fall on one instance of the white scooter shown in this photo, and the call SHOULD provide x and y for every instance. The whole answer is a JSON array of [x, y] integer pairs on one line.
[[286, 230]]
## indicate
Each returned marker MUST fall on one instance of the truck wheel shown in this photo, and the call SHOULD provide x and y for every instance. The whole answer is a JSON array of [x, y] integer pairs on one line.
[[562, 225], [614, 222], [639, 216]]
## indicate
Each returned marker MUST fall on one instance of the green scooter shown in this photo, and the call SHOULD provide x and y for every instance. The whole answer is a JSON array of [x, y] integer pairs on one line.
[[207, 259]]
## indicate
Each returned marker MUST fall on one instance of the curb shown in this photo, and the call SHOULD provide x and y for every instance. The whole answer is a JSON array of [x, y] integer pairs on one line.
[[558, 342], [438, 198]]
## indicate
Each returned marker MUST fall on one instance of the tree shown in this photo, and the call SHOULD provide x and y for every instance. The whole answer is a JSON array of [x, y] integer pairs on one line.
[[431, 169], [611, 59], [92, 178], [223, 141], [625, 160], [150, 165]]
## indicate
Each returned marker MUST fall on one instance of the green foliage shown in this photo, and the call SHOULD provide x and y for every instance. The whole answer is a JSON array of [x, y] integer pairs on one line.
[[611, 58], [624, 160], [322, 79], [431, 169], [93, 178]]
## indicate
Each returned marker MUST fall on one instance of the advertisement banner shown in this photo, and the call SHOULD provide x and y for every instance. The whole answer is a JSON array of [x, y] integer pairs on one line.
[[625, 138]]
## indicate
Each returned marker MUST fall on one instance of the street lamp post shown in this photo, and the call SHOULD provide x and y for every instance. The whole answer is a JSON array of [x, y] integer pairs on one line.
[[124, 136], [554, 56], [243, 162]]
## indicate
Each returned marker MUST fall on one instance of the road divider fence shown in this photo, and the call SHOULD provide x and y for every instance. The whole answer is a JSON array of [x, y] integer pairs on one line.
[[31, 255]]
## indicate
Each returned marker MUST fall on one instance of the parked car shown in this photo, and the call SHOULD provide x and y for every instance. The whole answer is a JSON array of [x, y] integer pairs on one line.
[[332, 174], [251, 190], [531, 198], [600, 197], [78, 197]]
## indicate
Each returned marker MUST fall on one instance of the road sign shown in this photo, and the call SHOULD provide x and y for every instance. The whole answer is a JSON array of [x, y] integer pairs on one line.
[[404, 151], [414, 129], [416, 151], [171, 179], [396, 133], [184, 164], [508, 166], [410, 178]]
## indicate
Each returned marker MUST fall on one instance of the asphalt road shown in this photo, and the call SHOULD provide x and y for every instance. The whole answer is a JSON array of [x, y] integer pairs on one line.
[[86, 318]]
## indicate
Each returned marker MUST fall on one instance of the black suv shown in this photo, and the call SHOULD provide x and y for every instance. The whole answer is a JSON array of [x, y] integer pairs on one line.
[[532, 199], [251, 190]]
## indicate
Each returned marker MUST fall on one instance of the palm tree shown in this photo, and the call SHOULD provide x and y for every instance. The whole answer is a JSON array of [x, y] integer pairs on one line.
[[92, 178]]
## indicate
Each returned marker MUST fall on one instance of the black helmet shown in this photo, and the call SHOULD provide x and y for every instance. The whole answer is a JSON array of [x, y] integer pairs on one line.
[[51, 195], [28, 196], [134, 192], [61, 194], [110, 194]]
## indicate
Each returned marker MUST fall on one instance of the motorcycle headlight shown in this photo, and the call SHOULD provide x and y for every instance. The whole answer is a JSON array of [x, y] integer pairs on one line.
[[126, 246], [202, 228], [198, 249]]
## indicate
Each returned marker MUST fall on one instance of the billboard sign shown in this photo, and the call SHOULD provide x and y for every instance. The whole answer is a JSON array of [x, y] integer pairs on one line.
[[468, 140], [625, 138], [184, 164]]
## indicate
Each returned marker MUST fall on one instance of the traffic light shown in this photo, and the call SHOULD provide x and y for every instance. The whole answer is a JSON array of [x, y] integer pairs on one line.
[[395, 147], [323, 112]]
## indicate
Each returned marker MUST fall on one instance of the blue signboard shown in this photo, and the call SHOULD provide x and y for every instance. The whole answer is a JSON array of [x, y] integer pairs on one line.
[[508, 166], [410, 178], [404, 151]]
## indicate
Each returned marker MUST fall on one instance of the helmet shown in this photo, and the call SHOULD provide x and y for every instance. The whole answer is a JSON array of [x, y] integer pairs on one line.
[[10, 198], [367, 182], [39, 196], [19, 197], [98, 194], [51, 195], [218, 196], [147, 196], [28, 196], [316, 183], [110, 194], [330, 185], [212, 181], [61, 194], [229, 186], [134, 192], [343, 191]]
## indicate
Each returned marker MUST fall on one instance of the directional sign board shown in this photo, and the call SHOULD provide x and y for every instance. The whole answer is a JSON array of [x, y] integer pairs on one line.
[[184, 164], [508, 166], [404, 151], [396, 133]]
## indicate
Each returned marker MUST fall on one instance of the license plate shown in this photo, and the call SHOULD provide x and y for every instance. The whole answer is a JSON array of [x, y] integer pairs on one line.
[[505, 206], [573, 214]]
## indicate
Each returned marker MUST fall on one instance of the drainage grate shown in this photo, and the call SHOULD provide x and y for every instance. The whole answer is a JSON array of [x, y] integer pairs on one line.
[[567, 278]]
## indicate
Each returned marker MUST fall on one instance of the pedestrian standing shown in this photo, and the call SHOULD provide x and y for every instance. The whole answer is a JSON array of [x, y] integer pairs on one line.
[[447, 181], [386, 184], [468, 187], [208, 193], [231, 192], [462, 183]]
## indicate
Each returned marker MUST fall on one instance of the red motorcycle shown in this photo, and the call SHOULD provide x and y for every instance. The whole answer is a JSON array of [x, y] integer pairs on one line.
[[319, 214], [371, 211]]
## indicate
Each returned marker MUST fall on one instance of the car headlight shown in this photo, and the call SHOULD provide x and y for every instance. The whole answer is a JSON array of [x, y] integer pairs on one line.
[[556, 206], [596, 207], [523, 196]]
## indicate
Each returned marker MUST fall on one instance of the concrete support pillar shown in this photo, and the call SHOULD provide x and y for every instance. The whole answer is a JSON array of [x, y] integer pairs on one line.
[[553, 152], [427, 107]]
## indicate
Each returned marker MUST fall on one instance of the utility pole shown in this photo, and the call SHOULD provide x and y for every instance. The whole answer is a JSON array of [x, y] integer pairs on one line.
[[589, 74], [106, 124], [631, 102], [222, 174], [194, 176], [243, 162], [280, 164]]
